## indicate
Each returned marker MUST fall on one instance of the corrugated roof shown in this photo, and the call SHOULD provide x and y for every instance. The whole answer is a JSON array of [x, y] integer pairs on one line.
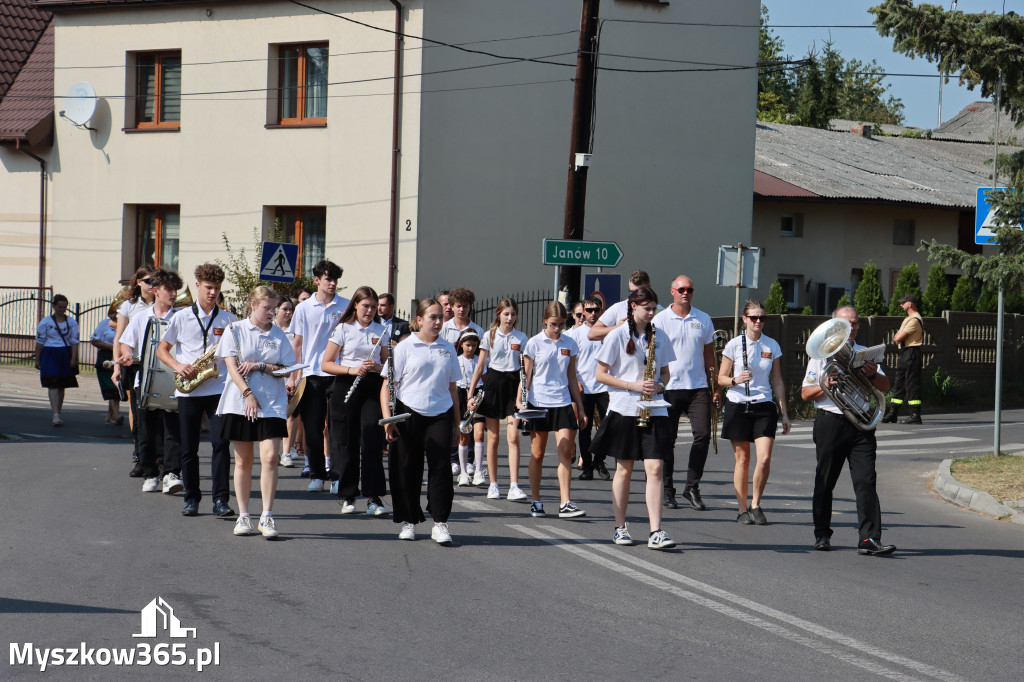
[[26, 112], [21, 26], [977, 123], [836, 165]]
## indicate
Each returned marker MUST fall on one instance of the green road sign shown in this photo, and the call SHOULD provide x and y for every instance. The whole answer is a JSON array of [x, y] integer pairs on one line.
[[585, 254]]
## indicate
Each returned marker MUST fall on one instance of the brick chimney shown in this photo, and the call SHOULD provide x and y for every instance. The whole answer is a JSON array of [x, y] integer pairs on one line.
[[864, 130]]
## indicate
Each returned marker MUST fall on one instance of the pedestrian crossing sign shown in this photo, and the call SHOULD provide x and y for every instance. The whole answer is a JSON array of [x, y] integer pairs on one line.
[[278, 262], [984, 218]]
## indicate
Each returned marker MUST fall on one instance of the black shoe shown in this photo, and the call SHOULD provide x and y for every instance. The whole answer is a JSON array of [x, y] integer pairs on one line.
[[602, 471], [221, 509], [305, 472], [692, 495], [744, 519], [874, 547], [136, 472], [891, 415], [912, 419], [586, 475], [670, 500], [191, 508], [757, 516], [822, 545]]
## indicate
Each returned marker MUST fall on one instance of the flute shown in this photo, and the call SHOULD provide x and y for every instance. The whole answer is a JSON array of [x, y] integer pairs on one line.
[[386, 332]]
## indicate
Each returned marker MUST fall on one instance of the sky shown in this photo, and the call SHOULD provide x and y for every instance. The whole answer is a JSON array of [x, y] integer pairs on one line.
[[920, 95]]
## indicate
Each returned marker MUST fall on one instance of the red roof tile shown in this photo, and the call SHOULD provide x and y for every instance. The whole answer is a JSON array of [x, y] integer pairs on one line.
[[26, 112], [21, 26]]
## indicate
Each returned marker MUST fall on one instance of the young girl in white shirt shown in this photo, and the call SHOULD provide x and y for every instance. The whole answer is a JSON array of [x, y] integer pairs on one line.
[[501, 351], [425, 371], [550, 374], [468, 348], [254, 404], [293, 448], [356, 353]]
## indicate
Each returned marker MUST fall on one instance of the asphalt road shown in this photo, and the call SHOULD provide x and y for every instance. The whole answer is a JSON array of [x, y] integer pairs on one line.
[[84, 551]]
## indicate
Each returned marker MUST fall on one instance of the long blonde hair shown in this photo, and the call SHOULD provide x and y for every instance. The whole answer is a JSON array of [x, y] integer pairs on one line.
[[502, 304]]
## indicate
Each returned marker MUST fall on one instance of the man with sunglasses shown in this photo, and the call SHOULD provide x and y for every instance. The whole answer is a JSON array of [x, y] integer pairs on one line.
[[691, 333], [593, 392]]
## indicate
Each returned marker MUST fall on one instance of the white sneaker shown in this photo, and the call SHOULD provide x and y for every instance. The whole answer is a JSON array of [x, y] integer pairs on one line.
[[470, 468], [479, 478], [268, 527], [463, 479], [288, 458], [660, 540], [455, 469], [348, 506], [621, 536], [57, 421], [243, 526], [172, 484], [515, 494], [408, 532], [493, 493], [440, 534], [151, 485]]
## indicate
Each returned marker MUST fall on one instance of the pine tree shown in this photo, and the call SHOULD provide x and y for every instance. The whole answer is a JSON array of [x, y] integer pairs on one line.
[[775, 304], [988, 301], [868, 298], [963, 295], [819, 92], [808, 310], [843, 301], [908, 282], [936, 295]]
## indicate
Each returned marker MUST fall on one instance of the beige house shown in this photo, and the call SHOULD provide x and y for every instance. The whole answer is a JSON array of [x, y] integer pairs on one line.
[[214, 119], [827, 202]]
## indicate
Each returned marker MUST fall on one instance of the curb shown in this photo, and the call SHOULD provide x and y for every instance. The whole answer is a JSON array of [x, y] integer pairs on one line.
[[951, 490]]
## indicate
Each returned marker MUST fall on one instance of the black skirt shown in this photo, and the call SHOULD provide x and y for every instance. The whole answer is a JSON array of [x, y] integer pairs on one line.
[[557, 418], [621, 438], [55, 368], [463, 401], [740, 425], [238, 428], [500, 390]]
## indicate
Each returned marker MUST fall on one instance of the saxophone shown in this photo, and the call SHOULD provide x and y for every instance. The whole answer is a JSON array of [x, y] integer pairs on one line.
[[206, 369], [643, 417]]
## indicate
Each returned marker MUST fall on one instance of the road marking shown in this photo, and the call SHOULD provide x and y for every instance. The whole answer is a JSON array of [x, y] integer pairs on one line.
[[1003, 447], [906, 442], [473, 505], [569, 542]]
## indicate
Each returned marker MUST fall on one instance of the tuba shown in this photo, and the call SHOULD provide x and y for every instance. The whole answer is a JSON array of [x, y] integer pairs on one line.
[[854, 394]]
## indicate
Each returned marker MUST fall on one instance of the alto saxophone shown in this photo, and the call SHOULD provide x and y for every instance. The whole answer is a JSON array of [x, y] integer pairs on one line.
[[643, 417], [206, 369]]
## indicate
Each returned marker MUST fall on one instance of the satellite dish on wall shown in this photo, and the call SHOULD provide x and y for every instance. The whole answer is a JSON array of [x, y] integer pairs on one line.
[[79, 103]]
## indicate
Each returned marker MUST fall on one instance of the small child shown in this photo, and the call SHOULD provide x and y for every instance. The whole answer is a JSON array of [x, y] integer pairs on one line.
[[468, 347]]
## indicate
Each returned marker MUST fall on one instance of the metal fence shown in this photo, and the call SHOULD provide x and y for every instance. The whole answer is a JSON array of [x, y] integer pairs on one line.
[[531, 310], [21, 311]]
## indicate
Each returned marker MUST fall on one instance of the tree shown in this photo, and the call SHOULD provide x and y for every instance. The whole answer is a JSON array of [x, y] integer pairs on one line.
[[963, 295], [808, 310], [819, 90], [988, 301], [843, 301], [864, 95], [244, 277], [774, 84], [868, 299], [936, 294], [908, 282], [775, 304]]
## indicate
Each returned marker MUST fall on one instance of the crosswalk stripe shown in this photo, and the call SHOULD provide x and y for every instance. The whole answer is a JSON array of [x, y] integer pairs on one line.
[[907, 442]]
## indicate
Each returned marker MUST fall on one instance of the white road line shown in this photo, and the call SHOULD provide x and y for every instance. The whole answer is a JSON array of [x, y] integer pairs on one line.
[[473, 505], [916, 442], [590, 553]]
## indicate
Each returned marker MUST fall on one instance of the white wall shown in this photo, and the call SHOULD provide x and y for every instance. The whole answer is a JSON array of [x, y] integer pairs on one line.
[[19, 216]]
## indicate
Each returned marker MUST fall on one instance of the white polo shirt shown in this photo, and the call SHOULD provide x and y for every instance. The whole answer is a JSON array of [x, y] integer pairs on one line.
[[586, 361], [550, 384], [813, 375], [424, 374], [503, 354], [271, 347], [467, 365], [52, 334], [186, 338], [761, 354], [314, 321], [622, 365], [688, 335], [134, 335], [451, 333], [357, 342]]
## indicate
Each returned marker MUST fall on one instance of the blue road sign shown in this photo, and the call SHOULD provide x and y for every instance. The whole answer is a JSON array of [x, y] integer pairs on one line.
[[984, 218], [608, 287], [278, 262]]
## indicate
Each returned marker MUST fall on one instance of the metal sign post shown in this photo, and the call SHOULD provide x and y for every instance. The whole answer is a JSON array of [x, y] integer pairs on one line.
[[745, 261]]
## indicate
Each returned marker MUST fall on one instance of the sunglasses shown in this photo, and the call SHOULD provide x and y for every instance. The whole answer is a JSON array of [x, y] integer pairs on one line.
[[148, 281], [685, 290], [757, 318], [591, 311]]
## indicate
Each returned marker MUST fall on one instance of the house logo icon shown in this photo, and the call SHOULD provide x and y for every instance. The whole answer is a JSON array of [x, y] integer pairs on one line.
[[158, 616]]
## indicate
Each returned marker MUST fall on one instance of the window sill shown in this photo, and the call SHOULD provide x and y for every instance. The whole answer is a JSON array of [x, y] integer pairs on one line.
[[285, 126], [167, 129]]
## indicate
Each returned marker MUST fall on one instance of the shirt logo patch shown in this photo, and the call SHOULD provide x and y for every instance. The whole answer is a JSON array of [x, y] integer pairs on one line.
[[695, 325], [565, 351], [766, 355], [374, 340], [515, 346], [443, 353], [812, 377], [219, 331]]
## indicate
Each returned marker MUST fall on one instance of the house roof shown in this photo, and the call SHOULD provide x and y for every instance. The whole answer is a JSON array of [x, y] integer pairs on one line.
[[21, 25], [26, 73], [977, 123], [845, 166]]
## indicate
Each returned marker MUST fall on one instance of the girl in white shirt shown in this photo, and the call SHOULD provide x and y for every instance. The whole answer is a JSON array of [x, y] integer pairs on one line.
[[622, 365], [425, 372], [356, 353], [291, 450], [550, 374], [140, 295], [57, 355], [468, 348], [254, 403], [751, 371], [501, 352]]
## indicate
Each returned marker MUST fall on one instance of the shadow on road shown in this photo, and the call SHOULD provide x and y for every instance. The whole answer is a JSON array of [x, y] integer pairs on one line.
[[30, 606]]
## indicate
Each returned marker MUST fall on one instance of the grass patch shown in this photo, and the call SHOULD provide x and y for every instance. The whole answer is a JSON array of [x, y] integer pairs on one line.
[[1001, 477]]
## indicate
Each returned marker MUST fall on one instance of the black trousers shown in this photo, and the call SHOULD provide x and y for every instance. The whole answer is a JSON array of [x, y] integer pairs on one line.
[[190, 414], [696, 404], [420, 438], [836, 440], [357, 437], [128, 381], [159, 436], [313, 412], [590, 401], [908, 377]]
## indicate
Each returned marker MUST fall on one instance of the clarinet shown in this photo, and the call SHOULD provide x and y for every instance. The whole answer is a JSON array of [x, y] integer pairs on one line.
[[352, 388], [525, 427], [746, 366], [392, 395]]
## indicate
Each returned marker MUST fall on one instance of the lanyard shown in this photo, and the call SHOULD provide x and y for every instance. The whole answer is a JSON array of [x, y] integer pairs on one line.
[[62, 337], [206, 329]]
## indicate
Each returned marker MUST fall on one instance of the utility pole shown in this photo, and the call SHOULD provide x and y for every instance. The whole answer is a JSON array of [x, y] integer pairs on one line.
[[582, 117]]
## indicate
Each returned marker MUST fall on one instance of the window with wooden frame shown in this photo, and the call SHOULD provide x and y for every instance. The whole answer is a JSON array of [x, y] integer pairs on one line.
[[158, 90], [302, 84], [157, 236], [307, 227]]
